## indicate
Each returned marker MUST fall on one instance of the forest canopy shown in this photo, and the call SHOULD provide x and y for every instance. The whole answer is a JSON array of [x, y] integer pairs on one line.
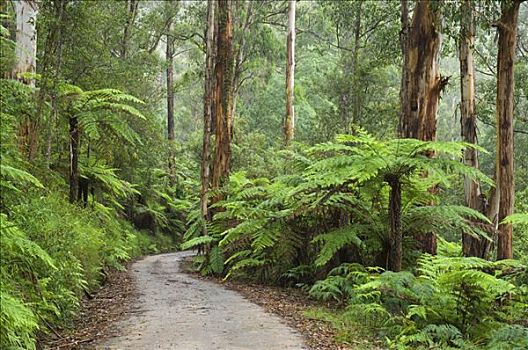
[[372, 153]]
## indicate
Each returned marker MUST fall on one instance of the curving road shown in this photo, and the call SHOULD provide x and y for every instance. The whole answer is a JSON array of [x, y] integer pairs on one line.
[[178, 312]]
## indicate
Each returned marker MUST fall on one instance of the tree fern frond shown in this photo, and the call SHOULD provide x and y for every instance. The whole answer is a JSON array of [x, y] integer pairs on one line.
[[335, 240], [12, 174], [196, 242]]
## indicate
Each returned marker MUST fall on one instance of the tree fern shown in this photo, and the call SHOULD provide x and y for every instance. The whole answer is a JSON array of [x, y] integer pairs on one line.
[[197, 242], [335, 240]]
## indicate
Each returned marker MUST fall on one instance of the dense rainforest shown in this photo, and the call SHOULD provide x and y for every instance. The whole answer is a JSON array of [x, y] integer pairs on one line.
[[372, 153]]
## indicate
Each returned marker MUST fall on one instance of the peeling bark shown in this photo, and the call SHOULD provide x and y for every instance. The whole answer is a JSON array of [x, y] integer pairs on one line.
[[507, 28], [422, 85], [223, 96], [424, 82]]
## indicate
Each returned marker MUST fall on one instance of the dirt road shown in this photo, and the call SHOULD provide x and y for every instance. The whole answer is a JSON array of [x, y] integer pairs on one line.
[[178, 312]]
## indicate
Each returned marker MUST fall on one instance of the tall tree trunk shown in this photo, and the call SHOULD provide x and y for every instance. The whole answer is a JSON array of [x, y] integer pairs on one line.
[[223, 95], [74, 159], [423, 81], [169, 56], [241, 54], [132, 7], [169, 60], [507, 28], [404, 43], [208, 99], [471, 246], [26, 40], [424, 85], [289, 121], [395, 234], [26, 61]]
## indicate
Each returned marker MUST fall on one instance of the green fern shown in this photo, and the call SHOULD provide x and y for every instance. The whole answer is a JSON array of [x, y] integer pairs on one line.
[[335, 240], [197, 242]]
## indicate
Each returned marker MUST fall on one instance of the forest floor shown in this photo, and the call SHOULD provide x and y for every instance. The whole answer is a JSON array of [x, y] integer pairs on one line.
[[157, 304]]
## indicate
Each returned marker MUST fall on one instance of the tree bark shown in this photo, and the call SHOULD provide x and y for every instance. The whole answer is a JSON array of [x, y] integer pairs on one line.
[[26, 40], [74, 159], [208, 102], [471, 246], [132, 7], [169, 56], [223, 98], [395, 234], [404, 39], [169, 61], [241, 54], [289, 121], [423, 86], [26, 62], [424, 82], [507, 28]]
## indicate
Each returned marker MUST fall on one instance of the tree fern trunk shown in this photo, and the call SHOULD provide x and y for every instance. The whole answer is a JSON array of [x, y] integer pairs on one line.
[[395, 234]]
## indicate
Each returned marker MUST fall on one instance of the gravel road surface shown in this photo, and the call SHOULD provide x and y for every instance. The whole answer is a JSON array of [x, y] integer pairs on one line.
[[176, 311]]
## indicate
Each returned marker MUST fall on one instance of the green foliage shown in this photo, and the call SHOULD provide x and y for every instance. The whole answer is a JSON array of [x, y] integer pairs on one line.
[[17, 323], [334, 241], [290, 216], [449, 302], [54, 252], [335, 203]]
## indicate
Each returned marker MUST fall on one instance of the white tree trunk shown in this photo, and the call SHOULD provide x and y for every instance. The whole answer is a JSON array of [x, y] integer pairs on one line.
[[467, 90], [26, 39]]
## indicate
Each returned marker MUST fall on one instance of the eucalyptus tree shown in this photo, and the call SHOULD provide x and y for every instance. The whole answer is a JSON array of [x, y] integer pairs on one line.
[[171, 9], [289, 120], [422, 83], [223, 94], [26, 12], [209, 82], [473, 196], [507, 29]]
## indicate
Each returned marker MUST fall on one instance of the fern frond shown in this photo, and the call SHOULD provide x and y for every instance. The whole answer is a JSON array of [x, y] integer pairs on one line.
[[12, 174], [335, 240], [196, 242]]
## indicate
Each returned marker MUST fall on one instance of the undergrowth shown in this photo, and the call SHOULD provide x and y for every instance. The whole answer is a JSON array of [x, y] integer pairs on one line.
[[53, 252], [323, 225]]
